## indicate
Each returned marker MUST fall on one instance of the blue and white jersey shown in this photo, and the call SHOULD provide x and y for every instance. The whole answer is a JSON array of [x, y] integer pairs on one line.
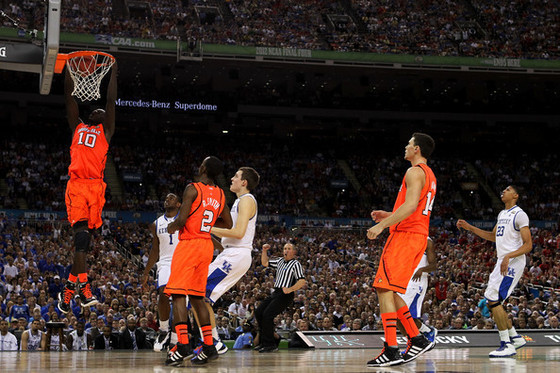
[[508, 230], [34, 340], [79, 343], [167, 242], [246, 241]]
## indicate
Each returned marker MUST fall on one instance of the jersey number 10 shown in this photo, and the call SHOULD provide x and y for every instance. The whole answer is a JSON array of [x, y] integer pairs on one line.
[[89, 140]]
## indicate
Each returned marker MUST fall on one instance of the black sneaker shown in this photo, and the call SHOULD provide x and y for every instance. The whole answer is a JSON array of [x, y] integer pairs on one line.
[[179, 353], [207, 353], [162, 341], [416, 346], [265, 349], [388, 356], [65, 297], [86, 296], [257, 347]]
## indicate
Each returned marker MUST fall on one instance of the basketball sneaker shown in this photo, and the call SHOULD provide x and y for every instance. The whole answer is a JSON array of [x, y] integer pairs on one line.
[[162, 341], [431, 336], [417, 346], [518, 341], [220, 346], [65, 297], [86, 296], [207, 353], [388, 356], [506, 349], [179, 353]]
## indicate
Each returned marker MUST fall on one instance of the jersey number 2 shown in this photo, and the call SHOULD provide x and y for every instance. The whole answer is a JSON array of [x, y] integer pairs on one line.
[[206, 224], [429, 203]]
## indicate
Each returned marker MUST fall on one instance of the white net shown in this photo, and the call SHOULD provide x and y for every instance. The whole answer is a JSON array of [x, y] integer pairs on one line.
[[87, 71]]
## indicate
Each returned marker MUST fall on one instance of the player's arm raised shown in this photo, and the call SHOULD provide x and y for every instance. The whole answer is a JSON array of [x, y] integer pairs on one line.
[[109, 122], [487, 235], [414, 179], [152, 258], [247, 208], [189, 196], [72, 109]]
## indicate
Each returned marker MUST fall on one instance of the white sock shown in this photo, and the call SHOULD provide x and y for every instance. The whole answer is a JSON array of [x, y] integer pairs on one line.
[[215, 334], [174, 338], [424, 329], [164, 325], [512, 332], [504, 336]]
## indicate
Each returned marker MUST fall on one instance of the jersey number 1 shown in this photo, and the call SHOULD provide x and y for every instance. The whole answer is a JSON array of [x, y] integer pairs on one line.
[[429, 204]]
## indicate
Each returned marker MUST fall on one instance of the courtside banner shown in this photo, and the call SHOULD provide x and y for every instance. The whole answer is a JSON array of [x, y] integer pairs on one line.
[[445, 338]]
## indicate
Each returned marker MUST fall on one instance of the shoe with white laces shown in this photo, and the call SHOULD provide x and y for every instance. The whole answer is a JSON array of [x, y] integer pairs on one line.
[[389, 356], [506, 349], [179, 353], [417, 346], [518, 341], [207, 353]]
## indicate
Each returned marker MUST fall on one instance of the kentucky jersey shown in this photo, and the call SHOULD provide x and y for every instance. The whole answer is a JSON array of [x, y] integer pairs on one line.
[[78, 343], [508, 230], [419, 221], [88, 152], [247, 240], [34, 340], [167, 241]]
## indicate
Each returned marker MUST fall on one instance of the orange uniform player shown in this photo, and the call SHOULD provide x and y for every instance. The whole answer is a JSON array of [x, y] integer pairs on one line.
[[203, 203], [408, 238], [409, 225], [85, 191]]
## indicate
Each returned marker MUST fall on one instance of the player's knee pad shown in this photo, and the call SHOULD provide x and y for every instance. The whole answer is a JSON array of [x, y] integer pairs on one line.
[[82, 240], [493, 305]]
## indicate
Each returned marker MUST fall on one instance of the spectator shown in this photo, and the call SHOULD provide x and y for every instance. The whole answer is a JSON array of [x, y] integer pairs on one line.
[[133, 338], [8, 341], [106, 341], [244, 340]]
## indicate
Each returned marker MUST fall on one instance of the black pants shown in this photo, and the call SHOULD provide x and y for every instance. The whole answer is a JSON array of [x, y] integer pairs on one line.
[[269, 308]]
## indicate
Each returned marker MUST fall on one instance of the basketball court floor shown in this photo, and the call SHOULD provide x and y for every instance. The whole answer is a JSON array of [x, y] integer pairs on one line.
[[529, 359]]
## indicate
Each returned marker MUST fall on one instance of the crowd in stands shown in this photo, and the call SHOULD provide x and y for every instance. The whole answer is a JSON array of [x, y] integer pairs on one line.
[[521, 29], [339, 266], [298, 178]]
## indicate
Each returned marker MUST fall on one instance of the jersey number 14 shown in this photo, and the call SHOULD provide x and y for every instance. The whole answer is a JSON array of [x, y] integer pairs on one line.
[[429, 204]]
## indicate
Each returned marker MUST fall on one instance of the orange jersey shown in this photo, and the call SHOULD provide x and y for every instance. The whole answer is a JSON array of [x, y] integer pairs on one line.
[[419, 221], [88, 152], [205, 210]]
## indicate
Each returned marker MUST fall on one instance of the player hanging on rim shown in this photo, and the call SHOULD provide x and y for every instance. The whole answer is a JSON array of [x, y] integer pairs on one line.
[[163, 247], [513, 240], [85, 191], [409, 227], [416, 291], [203, 203], [235, 260]]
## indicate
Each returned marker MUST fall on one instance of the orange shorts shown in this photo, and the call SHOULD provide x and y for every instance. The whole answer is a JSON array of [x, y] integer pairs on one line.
[[401, 255], [189, 267], [85, 199]]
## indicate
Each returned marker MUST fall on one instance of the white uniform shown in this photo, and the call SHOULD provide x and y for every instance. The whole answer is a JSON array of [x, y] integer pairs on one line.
[[167, 244], [79, 343], [8, 342], [416, 290], [34, 341], [508, 239], [232, 263]]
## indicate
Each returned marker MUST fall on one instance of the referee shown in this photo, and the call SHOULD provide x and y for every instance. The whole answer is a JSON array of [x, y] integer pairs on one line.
[[289, 278]]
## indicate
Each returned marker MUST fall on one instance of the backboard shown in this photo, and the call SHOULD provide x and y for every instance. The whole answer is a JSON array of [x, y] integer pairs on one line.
[[19, 54]]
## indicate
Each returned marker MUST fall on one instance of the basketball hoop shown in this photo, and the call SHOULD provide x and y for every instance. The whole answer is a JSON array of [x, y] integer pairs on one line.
[[87, 69]]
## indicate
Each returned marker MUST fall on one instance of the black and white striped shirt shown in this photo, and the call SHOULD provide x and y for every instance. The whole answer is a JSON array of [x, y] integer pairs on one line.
[[288, 272]]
